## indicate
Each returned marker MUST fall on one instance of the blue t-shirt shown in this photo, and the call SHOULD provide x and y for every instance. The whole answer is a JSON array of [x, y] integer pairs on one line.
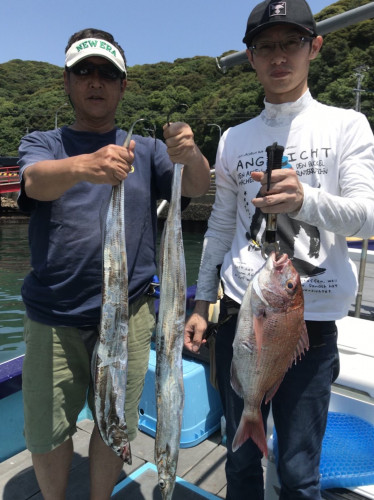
[[65, 235]]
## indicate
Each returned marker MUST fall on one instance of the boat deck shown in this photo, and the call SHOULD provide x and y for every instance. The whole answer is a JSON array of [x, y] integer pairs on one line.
[[201, 465]]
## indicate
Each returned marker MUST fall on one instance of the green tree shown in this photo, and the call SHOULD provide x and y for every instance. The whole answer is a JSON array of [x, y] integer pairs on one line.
[[28, 104]]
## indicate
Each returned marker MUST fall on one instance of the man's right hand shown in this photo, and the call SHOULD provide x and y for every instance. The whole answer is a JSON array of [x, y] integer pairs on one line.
[[196, 326], [47, 180], [109, 165]]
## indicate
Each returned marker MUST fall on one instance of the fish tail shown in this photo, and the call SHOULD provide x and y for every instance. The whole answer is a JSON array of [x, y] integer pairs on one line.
[[253, 429], [126, 454]]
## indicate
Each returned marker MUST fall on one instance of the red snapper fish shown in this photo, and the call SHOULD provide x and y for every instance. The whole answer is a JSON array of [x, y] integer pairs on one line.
[[270, 335]]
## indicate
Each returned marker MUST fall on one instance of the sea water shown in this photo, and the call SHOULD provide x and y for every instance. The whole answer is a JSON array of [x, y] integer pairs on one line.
[[14, 266]]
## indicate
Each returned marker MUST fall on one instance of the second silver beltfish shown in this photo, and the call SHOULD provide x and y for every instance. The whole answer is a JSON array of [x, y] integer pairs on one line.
[[169, 343]]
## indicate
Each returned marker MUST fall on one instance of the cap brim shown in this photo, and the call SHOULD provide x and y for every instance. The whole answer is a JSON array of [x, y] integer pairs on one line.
[[261, 27], [94, 48]]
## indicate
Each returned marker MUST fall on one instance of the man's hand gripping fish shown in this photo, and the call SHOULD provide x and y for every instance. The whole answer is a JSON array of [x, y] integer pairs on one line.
[[270, 335]]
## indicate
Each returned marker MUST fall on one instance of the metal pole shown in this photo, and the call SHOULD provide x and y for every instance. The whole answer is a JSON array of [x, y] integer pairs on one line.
[[161, 206], [345, 19], [57, 110], [358, 90], [361, 277], [215, 125], [365, 243]]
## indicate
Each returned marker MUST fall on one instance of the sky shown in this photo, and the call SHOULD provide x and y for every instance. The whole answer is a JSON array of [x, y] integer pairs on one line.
[[150, 31]]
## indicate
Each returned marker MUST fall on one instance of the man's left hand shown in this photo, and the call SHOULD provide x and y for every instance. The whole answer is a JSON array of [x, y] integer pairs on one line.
[[180, 143]]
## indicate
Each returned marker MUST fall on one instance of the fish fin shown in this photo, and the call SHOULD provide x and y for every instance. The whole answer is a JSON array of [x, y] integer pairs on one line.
[[271, 392], [302, 345], [250, 429], [258, 328]]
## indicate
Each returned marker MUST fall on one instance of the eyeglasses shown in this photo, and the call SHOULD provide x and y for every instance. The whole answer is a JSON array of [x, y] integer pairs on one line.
[[106, 71], [289, 46]]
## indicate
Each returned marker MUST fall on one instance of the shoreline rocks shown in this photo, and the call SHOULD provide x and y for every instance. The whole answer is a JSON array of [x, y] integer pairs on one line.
[[198, 211]]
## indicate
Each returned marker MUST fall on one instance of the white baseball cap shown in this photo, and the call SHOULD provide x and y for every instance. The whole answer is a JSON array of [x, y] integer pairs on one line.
[[89, 47]]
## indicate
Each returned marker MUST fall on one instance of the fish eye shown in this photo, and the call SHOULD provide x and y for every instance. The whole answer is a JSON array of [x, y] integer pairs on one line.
[[289, 284]]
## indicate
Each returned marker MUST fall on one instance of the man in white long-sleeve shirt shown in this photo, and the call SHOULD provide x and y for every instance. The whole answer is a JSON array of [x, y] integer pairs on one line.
[[328, 194]]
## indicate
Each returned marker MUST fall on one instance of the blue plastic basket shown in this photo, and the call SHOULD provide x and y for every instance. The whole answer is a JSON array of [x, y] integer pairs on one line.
[[347, 458], [202, 405]]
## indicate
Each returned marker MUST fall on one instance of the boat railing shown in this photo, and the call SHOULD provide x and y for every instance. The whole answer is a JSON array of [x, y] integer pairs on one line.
[[164, 203], [9, 179]]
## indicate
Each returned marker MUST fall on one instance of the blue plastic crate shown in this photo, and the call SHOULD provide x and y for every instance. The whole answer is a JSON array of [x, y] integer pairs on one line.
[[347, 458], [202, 406]]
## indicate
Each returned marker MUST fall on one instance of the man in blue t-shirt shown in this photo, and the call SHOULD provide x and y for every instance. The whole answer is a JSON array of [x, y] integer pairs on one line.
[[67, 177]]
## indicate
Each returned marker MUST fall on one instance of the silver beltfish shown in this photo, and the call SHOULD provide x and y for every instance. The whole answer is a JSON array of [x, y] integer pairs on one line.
[[109, 361], [169, 343]]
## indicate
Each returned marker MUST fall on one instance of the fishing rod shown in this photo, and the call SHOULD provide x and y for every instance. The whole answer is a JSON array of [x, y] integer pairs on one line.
[[274, 161]]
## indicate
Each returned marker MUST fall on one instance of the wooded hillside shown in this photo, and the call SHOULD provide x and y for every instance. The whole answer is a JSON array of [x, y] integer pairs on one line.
[[32, 95]]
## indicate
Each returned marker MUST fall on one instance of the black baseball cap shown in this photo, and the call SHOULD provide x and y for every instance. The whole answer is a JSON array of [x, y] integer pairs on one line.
[[270, 13]]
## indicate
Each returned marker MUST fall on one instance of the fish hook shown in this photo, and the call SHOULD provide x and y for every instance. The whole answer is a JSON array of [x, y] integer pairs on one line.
[[178, 107], [152, 131], [130, 132]]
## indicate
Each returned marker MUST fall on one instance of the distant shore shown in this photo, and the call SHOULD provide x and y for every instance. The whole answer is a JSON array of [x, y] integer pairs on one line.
[[9, 211], [194, 217]]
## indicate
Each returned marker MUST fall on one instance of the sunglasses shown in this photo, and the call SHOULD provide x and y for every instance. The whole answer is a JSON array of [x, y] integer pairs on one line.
[[106, 71]]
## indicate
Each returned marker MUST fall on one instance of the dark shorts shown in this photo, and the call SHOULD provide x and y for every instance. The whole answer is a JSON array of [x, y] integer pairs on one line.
[[56, 376]]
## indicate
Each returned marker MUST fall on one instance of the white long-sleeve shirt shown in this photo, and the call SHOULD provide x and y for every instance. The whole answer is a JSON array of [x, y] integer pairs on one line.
[[332, 151]]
